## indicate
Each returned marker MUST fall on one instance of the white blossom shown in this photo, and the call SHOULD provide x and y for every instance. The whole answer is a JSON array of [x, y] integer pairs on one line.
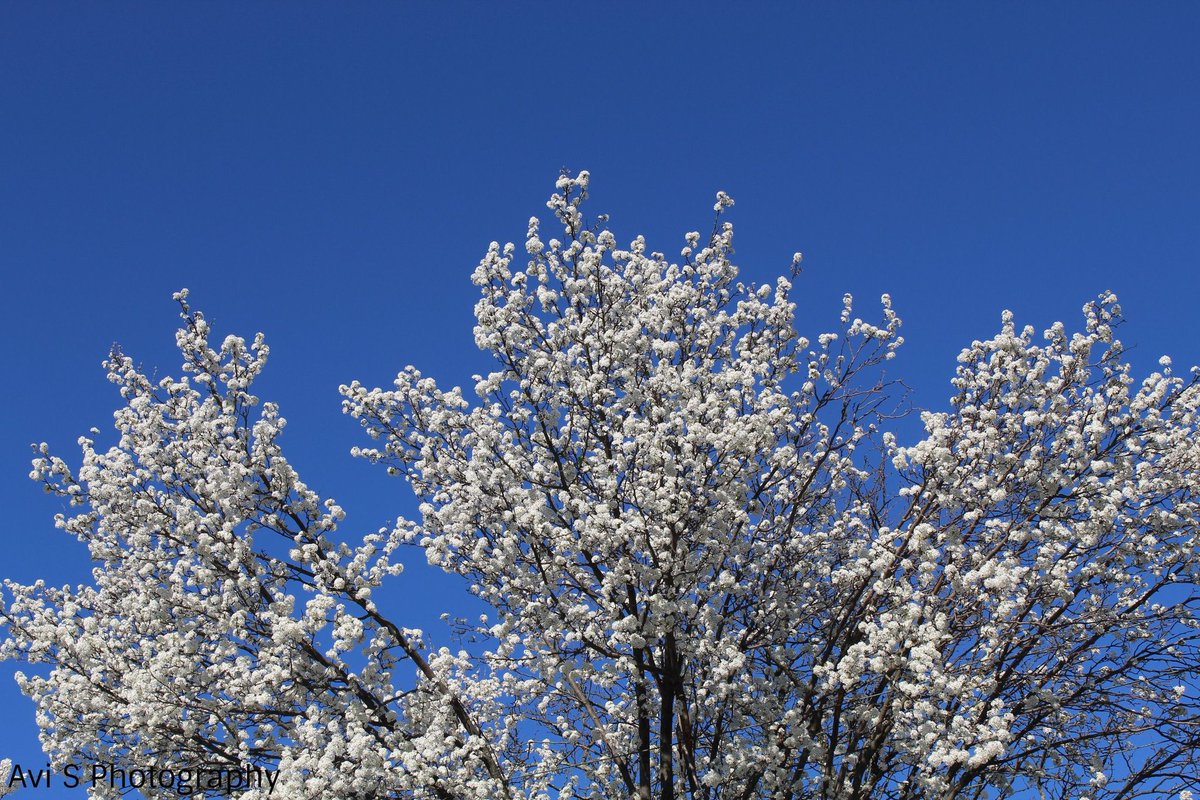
[[712, 571]]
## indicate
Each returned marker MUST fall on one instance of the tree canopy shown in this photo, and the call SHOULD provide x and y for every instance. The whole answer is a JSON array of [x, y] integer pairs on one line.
[[713, 569]]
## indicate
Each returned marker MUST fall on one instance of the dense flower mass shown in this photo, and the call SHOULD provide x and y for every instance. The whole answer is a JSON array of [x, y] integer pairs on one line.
[[713, 572]]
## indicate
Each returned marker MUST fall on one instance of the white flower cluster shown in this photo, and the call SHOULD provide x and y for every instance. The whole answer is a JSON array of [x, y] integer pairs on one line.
[[712, 573], [225, 626]]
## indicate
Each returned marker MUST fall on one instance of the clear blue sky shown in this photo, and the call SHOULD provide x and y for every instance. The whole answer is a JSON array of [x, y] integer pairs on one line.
[[331, 174]]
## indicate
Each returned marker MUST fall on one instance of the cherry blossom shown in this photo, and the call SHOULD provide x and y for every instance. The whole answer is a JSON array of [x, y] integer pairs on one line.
[[713, 569]]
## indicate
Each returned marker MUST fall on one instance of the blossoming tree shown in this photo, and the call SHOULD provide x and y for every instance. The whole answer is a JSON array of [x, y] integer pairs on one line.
[[714, 572]]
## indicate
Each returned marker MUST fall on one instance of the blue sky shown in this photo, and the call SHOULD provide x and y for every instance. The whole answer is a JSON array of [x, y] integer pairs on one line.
[[331, 174]]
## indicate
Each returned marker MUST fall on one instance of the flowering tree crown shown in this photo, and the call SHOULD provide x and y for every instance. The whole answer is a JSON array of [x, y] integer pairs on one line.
[[714, 572]]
